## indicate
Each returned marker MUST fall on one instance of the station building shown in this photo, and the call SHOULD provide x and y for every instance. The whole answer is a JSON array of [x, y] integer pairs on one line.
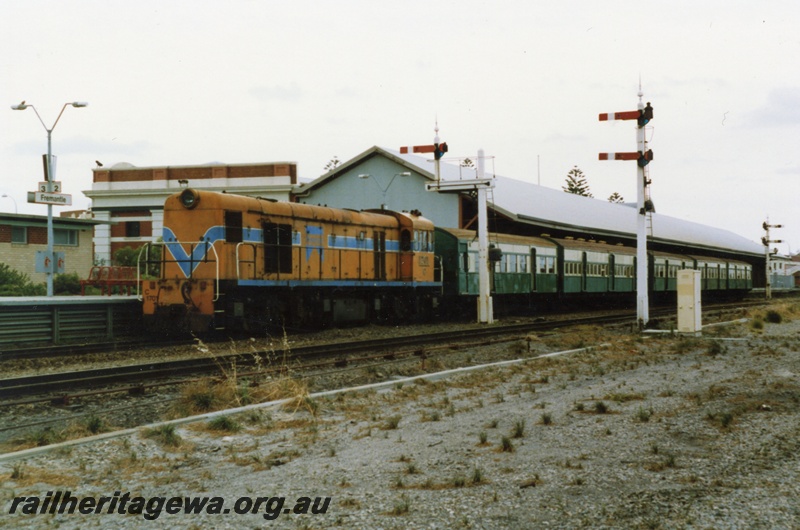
[[381, 177], [129, 200], [21, 236]]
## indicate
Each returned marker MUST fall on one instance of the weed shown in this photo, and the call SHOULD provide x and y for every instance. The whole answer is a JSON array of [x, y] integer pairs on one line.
[[165, 435], [459, 482], [643, 414], [773, 317], [349, 502], [411, 469], [482, 436], [391, 422], [715, 348], [431, 416], [519, 429], [493, 424], [530, 483], [402, 506], [95, 424], [600, 407], [477, 475], [725, 419], [225, 424], [579, 407], [622, 397], [18, 472], [686, 344], [505, 445], [46, 436], [547, 418]]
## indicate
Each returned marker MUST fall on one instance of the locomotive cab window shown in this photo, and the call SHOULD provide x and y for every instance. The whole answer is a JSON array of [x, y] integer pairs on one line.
[[233, 226], [405, 241], [277, 248]]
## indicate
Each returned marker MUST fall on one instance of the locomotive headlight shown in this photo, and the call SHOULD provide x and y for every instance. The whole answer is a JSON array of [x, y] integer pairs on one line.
[[189, 198]]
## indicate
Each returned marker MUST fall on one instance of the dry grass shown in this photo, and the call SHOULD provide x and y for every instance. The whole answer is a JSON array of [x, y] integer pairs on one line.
[[25, 475]]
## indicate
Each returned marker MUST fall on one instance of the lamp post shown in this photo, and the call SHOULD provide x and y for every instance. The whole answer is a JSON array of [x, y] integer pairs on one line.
[[384, 190], [49, 180], [12, 198]]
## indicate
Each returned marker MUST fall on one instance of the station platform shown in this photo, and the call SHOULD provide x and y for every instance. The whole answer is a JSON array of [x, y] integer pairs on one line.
[[50, 320]]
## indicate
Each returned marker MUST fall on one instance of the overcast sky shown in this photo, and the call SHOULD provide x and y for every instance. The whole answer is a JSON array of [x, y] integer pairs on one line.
[[239, 81]]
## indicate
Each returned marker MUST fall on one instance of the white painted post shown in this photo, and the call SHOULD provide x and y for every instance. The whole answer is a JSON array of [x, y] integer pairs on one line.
[[485, 313], [642, 301]]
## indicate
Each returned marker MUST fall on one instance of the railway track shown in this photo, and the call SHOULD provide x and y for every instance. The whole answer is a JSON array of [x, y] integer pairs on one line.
[[61, 387]]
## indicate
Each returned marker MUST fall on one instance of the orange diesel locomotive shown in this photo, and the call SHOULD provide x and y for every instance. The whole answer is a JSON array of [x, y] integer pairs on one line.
[[236, 262]]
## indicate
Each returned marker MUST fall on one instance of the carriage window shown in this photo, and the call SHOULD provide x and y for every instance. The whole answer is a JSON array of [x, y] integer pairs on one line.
[[233, 227]]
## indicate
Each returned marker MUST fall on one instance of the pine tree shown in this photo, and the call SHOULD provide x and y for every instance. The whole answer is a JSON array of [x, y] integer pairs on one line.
[[616, 197], [576, 183], [332, 163]]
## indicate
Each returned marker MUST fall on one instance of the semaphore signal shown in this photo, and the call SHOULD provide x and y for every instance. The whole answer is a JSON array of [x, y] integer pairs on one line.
[[642, 156]]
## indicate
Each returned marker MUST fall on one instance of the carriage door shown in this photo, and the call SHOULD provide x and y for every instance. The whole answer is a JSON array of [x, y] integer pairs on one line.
[[406, 256], [533, 270], [379, 252]]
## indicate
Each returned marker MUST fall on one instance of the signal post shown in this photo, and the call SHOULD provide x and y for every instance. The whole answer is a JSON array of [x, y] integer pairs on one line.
[[644, 205], [479, 185]]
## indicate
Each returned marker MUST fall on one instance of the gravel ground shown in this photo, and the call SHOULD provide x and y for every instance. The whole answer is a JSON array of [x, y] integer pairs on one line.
[[649, 431]]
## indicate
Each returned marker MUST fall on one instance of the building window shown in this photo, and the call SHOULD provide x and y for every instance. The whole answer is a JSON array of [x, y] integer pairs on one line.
[[19, 234], [133, 229], [62, 236]]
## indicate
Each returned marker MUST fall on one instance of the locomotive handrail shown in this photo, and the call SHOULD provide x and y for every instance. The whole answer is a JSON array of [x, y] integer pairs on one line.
[[190, 260], [253, 261], [441, 272]]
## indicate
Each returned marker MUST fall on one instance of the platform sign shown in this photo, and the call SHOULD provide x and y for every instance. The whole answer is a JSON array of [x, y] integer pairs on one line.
[[55, 189], [60, 199], [46, 264]]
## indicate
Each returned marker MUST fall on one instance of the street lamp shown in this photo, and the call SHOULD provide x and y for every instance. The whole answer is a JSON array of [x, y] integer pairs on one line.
[[49, 179], [12, 198], [384, 189]]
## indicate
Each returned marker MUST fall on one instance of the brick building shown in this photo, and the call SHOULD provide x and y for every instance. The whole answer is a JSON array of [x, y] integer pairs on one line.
[[21, 236], [129, 200]]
